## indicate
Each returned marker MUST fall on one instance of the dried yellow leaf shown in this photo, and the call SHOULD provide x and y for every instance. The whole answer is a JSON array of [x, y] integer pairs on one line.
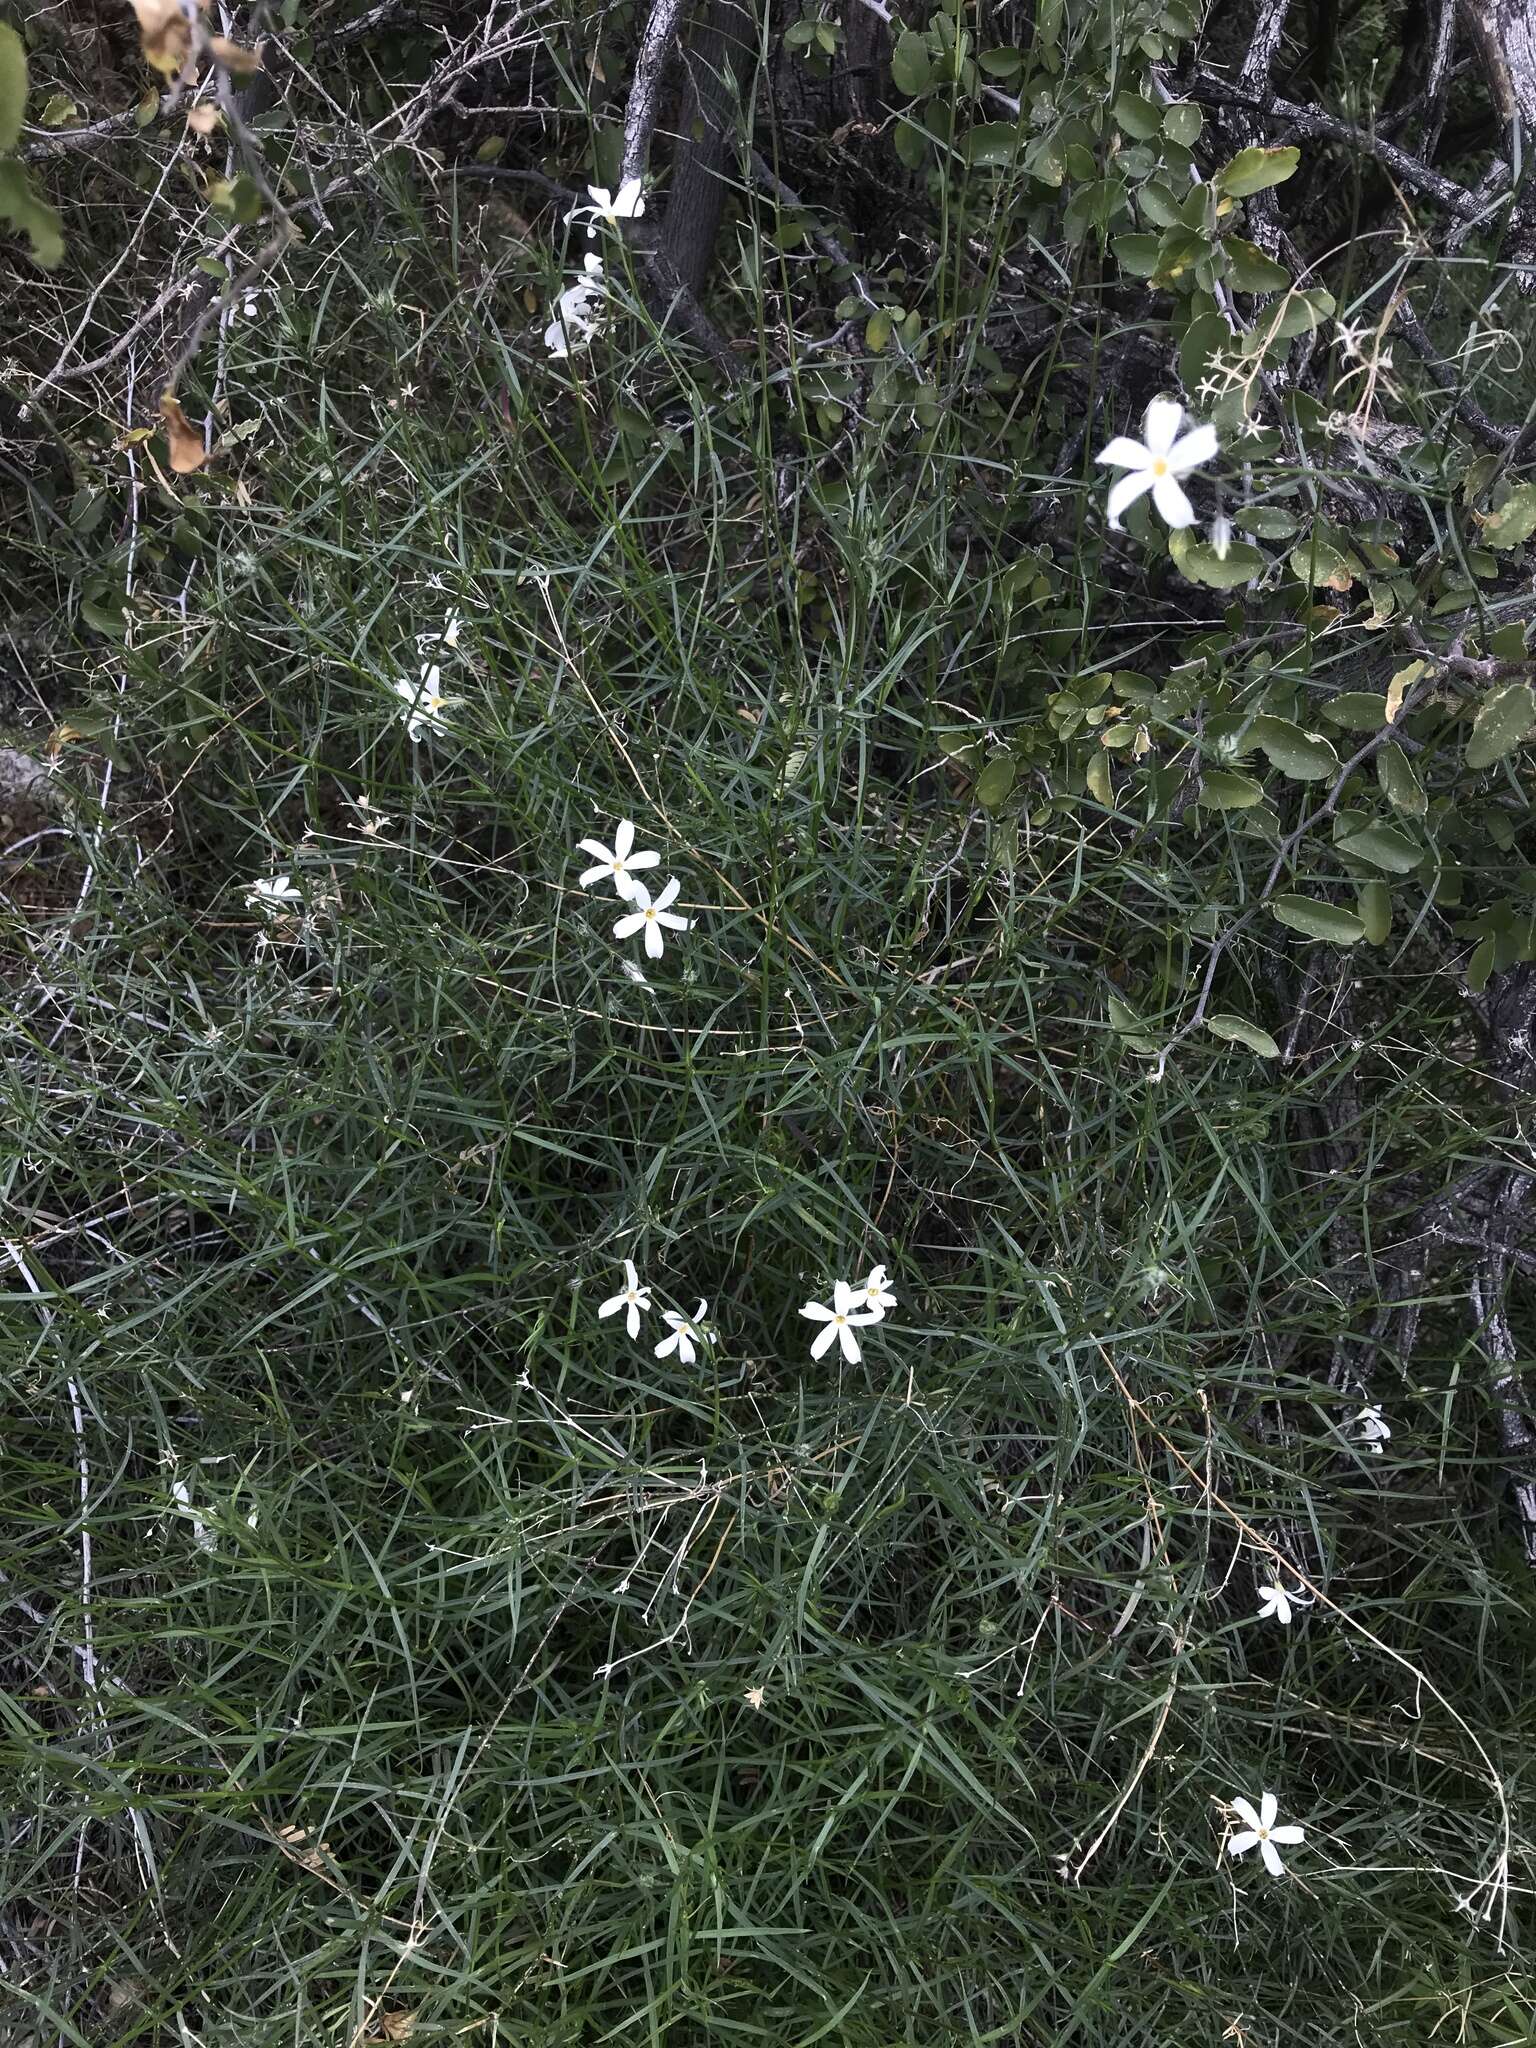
[[165, 31]]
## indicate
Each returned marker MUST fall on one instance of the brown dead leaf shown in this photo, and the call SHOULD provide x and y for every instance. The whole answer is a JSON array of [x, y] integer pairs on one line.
[[186, 443], [166, 34], [234, 56], [396, 2026]]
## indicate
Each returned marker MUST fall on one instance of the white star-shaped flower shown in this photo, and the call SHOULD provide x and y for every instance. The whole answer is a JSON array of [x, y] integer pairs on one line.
[[649, 917], [686, 1334], [616, 863], [628, 203], [277, 894], [453, 626], [875, 1294], [578, 310], [424, 702], [1261, 1833], [841, 1321], [1275, 1604], [1157, 463], [633, 1298]]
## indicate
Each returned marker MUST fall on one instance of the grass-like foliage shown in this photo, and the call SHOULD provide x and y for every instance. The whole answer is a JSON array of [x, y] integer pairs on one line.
[[393, 1648]]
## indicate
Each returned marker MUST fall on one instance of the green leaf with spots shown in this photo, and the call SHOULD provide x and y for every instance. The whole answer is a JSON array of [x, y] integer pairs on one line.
[[1223, 789], [1383, 846], [1238, 1031], [1304, 756], [1255, 170], [1504, 719]]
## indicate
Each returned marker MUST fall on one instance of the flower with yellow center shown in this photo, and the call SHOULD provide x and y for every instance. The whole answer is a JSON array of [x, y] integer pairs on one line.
[[1157, 463]]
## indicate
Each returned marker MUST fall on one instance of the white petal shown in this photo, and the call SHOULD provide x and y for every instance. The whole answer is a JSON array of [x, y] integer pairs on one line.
[[1239, 1845], [597, 850], [631, 1277], [1162, 424], [590, 875], [1271, 1857], [600, 197], [673, 924], [639, 895], [654, 944], [1243, 1809], [685, 1350], [698, 1313], [642, 860], [1125, 454], [632, 1321], [1289, 1834], [592, 265], [1169, 498], [626, 927], [629, 201], [1191, 449], [612, 1305], [1269, 1806], [642, 1297], [816, 1312], [842, 1297], [1125, 493], [823, 1340], [668, 1344], [623, 839], [849, 1342], [668, 895]]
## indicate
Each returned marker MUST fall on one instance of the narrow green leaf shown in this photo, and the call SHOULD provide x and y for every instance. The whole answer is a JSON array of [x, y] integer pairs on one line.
[[1375, 903], [1399, 781]]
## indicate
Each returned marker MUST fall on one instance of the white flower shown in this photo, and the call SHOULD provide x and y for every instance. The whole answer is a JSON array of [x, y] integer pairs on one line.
[[609, 207], [875, 1294], [578, 310], [649, 917], [685, 1334], [840, 1320], [202, 1533], [1275, 1604], [1371, 1430], [424, 701], [616, 863], [274, 895], [1221, 536], [1262, 1833], [453, 626], [633, 1298], [1156, 464]]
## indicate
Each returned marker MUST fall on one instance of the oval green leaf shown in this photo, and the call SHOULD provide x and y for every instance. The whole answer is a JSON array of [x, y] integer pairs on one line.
[[1318, 920], [1304, 756], [1238, 1031]]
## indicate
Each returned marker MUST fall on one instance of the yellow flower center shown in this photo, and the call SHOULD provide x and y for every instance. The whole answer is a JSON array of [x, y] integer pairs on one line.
[[1263, 1834], [618, 867], [1159, 466], [650, 913]]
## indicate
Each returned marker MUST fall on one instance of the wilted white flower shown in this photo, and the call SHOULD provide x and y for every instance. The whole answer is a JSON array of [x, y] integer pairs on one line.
[[633, 1298], [616, 863], [685, 1335], [875, 1294], [277, 894], [424, 702], [578, 310], [1275, 1604], [453, 626], [1261, 1833], [1157, 463], [609, 207], [1371, 1429], [202, 1532], [841, 1321], [1221, 536], [649, 917]]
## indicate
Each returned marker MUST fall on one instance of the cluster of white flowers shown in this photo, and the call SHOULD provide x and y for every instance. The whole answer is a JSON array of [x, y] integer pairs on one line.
[[423, 701], [853, 1306], [617, 864], [274, 896], [578, 310], [1369, 1430], [686, 1333], [608, 207]]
